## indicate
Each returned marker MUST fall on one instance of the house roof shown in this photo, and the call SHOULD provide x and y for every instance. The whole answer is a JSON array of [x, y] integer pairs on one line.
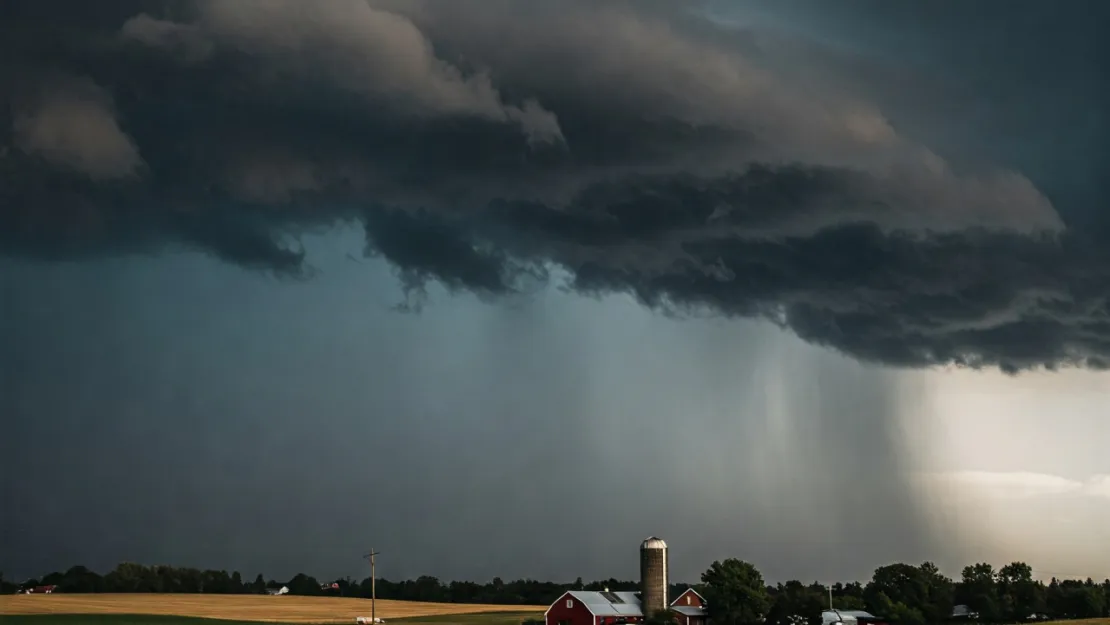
[[962, 610], [842, 616]]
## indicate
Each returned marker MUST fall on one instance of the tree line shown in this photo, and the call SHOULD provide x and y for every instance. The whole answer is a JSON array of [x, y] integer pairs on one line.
[[734, 589], [129, 577], [906, 594]]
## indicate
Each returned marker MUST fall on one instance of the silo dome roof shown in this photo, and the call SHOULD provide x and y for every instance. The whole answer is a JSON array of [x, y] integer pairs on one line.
[[653, 543]]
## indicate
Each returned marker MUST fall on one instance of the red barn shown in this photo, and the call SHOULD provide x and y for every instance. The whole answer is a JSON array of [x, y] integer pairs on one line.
[[690, 607], [583, 607]]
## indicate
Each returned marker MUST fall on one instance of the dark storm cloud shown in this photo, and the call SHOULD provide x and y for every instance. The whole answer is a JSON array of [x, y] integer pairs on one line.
[[637, 145]]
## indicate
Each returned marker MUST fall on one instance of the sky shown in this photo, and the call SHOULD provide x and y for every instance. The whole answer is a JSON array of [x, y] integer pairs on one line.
[[501, 288]]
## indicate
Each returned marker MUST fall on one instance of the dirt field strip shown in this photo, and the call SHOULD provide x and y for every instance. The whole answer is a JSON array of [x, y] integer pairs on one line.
[[281, 609]]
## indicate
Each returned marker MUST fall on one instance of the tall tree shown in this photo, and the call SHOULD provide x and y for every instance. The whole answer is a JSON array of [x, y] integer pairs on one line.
[[940, 594], [978, 589], [735, 593], [910, 594], [794, 603], [1019, 594], [236, 582]]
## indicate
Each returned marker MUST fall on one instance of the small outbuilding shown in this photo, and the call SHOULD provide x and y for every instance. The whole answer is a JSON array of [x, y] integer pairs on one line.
[[690, 607]]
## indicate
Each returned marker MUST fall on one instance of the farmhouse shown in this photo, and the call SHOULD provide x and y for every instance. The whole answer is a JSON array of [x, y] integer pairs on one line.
[[690, 607]]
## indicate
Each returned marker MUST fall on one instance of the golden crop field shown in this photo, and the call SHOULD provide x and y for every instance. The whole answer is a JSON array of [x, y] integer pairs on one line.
[[279, 609]]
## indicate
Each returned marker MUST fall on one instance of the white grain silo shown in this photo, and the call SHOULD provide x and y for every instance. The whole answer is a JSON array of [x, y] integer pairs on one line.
[[653, 576]]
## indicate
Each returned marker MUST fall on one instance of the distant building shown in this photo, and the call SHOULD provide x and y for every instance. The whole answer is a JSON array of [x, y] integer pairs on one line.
[[690, 607], [961, 611], [851, 617]]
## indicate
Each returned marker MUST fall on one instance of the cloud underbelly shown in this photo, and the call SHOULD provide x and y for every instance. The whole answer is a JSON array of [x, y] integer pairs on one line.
[[480, 143]]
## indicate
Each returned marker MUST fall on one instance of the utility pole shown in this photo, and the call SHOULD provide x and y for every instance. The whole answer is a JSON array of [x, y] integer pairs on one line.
[[373, 590]]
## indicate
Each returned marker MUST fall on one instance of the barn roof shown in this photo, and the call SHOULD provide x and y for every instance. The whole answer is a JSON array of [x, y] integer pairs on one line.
[[689, 610], [609, 603]]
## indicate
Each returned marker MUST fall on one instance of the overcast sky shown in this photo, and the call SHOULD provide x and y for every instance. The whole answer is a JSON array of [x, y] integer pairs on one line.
[[501, 288]]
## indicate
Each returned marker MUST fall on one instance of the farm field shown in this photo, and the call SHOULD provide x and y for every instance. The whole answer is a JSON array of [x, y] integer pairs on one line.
[[475, 618], [127, 609], [470, 618]]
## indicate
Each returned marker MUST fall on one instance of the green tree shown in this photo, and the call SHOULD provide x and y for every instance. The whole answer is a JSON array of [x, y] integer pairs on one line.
[[899, 583], [848, 596], [882, 605], [735, 593], [910, 594], [978, 589], [79, 579], [793, 601], [236, 582], [849, 602], [302, 584], [1020, 595], [906, 615], [940, 594], [1072, 599]]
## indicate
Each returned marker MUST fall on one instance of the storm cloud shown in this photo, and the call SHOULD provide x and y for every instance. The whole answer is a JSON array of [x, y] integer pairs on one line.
[[640, 147]]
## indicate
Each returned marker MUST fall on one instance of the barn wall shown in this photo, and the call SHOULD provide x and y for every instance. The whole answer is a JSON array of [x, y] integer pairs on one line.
[[577, 614], [695, 600]]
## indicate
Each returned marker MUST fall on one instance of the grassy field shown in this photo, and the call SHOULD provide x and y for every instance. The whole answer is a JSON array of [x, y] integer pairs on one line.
[[109, 609]]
